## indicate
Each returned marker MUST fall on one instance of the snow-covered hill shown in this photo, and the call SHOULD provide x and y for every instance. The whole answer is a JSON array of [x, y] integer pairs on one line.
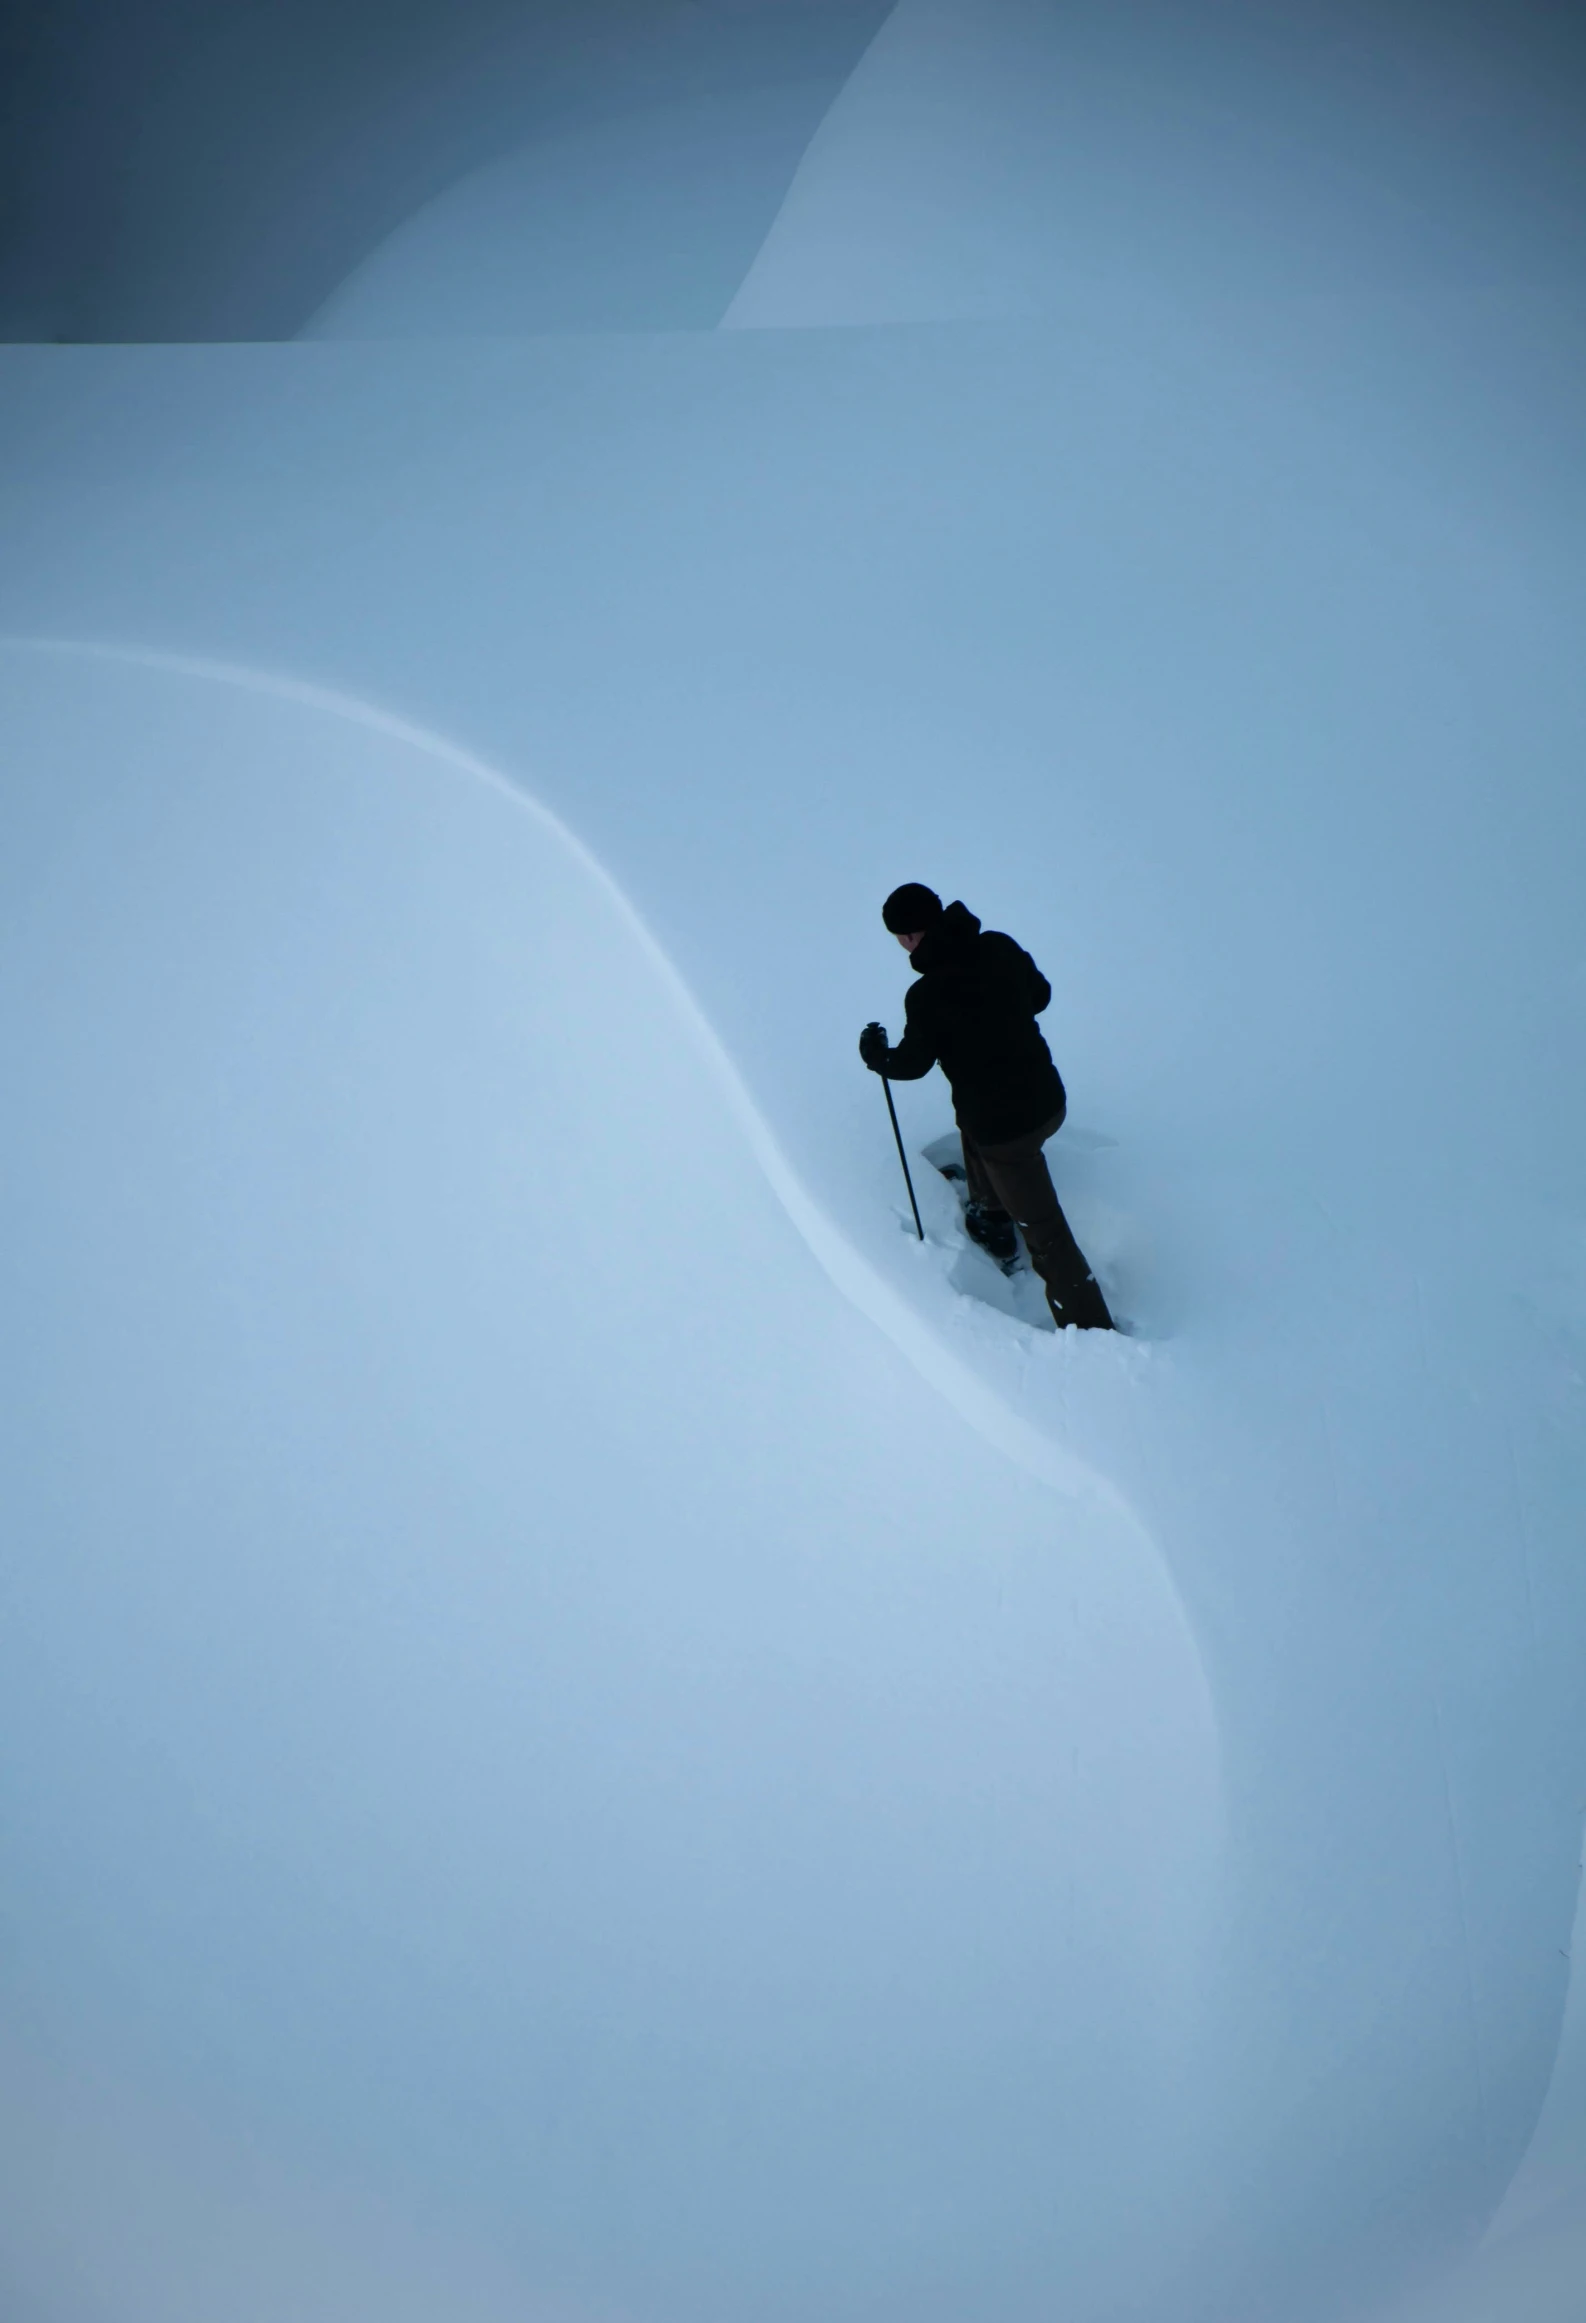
[[566, 1682], [510, 1660]]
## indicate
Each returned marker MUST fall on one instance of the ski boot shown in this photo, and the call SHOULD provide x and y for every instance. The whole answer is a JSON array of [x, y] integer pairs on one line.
[[994, 1231]]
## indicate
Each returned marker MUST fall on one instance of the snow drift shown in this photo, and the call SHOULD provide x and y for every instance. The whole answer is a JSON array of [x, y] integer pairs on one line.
[[501, 1393]]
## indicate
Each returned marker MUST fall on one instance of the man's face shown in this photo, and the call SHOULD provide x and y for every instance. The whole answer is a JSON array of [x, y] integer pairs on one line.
[[909, 942]]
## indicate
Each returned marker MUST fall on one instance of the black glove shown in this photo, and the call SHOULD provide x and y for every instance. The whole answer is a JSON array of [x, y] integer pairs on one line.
[[873, 1047]]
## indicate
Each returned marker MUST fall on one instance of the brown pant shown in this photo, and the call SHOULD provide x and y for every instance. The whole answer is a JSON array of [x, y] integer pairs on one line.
[[1014, 1177]]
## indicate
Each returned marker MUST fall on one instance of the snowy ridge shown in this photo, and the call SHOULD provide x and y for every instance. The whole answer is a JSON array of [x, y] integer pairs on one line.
[[858, 1281], [490, 1609], [819, 1797]]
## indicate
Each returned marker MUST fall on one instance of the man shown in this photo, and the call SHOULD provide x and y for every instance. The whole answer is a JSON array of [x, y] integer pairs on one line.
[[973, 1012]]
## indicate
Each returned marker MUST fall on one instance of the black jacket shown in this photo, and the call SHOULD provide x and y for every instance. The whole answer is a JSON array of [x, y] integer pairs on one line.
[[973, 1012]]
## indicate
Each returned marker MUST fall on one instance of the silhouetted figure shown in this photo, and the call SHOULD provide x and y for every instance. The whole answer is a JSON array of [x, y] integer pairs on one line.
[[973, 1012]]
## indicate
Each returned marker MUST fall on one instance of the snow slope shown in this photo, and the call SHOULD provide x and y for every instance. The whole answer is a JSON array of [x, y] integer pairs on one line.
[[690, 591], [1005, 157], [645, 221], [526, 1690], [1225, 649], [177, 171]]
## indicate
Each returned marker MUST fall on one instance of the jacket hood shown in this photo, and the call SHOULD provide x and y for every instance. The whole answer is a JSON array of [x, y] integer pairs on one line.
[[957, 927]]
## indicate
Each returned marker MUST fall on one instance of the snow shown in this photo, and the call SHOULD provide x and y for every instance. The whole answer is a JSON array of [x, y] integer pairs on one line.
[[1004, 157], [569, 1684], [500, 1592], [646, 221], [196, 173]]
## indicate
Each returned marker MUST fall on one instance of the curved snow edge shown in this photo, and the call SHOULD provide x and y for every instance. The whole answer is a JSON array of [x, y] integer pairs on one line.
[[852, 1274]]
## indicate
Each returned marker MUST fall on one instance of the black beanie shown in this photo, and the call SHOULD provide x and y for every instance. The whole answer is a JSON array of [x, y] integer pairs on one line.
[[910, 909]]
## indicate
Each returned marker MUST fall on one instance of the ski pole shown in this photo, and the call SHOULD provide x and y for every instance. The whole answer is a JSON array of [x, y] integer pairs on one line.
[[902, 1156]]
